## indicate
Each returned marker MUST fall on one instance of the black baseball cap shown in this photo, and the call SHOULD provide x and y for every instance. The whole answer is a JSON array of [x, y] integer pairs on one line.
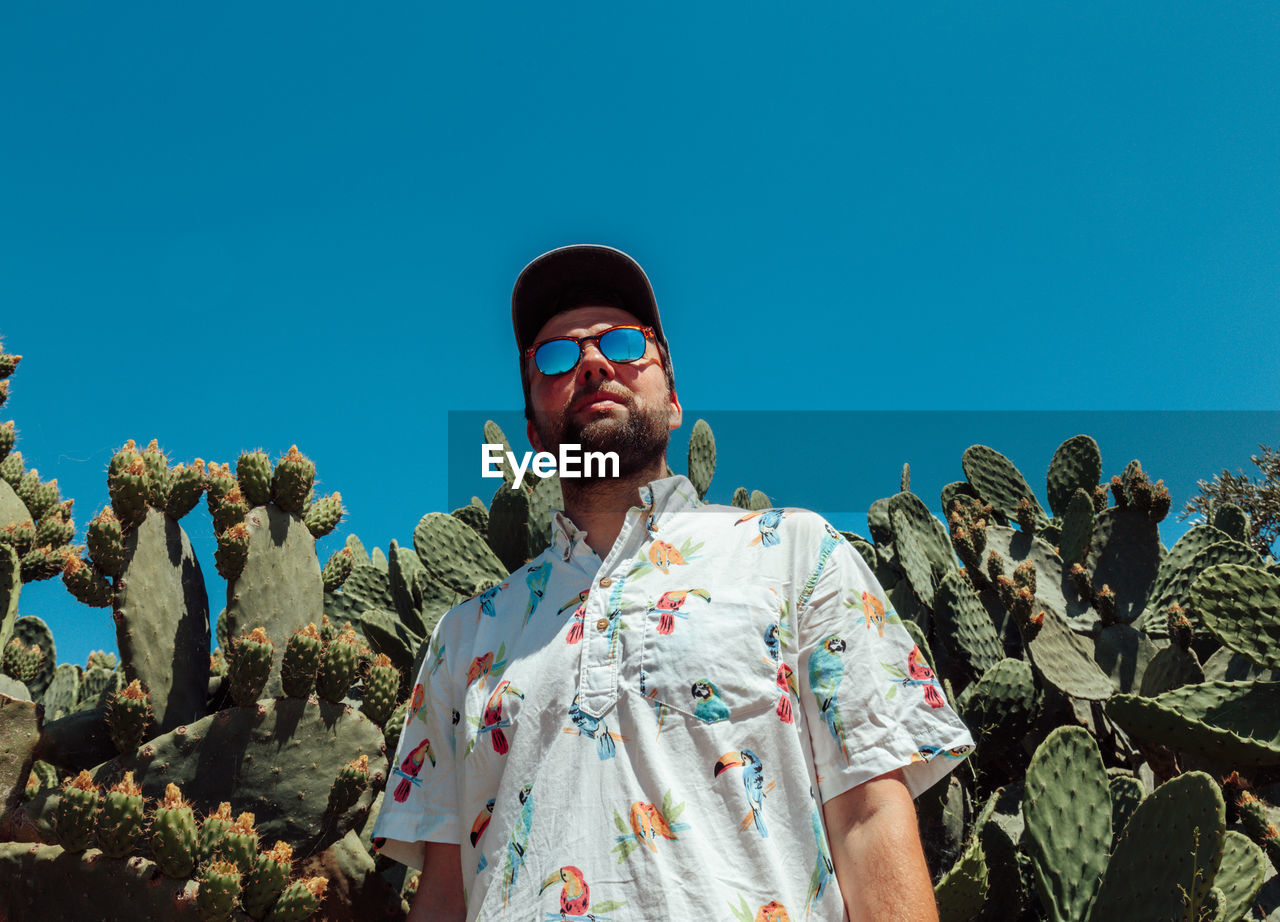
[[552, 283]]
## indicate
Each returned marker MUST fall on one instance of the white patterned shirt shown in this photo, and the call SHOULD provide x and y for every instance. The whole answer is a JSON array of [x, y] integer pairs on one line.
[[651, 736]]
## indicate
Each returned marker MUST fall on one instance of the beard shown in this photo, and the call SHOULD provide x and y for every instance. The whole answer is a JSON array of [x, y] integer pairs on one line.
[[640, 438]]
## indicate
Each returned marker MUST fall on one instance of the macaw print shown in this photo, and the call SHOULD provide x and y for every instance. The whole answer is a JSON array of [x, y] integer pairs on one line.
[[829, 542], [481, 822], [593, 728], [826, 672], [437, 661], [646, 824], [771, 643], [767, 520], [486, 600], [417, 698], [823, 867], [917, 674], [786, 682], [671, 606], [752, 783], [487, 664], [928, 753], [708, 705], [409, 768], [519, 841], [536, 579], [492, 721]]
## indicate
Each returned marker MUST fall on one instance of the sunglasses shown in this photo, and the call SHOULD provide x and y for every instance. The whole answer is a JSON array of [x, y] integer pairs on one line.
[[621, 345]]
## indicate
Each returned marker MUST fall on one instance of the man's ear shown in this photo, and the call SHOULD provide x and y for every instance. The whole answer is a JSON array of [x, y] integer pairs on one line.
[[532, 433], [676, 416]]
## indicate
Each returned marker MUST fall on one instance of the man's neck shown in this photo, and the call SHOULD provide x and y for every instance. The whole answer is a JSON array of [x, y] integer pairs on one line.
[[599, 507]]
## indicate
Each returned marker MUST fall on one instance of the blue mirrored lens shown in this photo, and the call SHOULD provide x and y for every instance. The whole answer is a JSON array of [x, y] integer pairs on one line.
[[624, 345], [557, 356]]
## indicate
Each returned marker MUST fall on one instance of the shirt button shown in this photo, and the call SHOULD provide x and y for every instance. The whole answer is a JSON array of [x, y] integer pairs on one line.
[[602, 624], [606, 582]]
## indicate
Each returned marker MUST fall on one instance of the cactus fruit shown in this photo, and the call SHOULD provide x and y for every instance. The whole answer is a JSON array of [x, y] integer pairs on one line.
[[186, 484], [219, 888], [232, 551], [380, 689], [128, 716], [253, 472], [239, 843], [292, 480], [173, 834], [250, 665], [212, 831], [1180, 629], [74, 822], [267, 880], [230, 510], [347, 787], [119, 821], [299, 900], [105, 540], [300, 662], [336, 569], [128, 491], [324, 515], [338, 665], [1258, 826]]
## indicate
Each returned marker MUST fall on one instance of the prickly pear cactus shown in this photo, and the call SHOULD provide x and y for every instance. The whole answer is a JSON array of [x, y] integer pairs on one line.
[[267, 550]]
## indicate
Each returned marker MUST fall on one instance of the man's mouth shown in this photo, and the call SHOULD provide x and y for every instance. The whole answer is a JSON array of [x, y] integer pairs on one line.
[[594, 399]]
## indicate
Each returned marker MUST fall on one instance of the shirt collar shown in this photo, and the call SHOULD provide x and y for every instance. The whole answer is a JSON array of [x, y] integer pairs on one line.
[[661, 498]]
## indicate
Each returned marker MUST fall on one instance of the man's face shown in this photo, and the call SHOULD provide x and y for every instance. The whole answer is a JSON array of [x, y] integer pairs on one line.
[[600, 405]]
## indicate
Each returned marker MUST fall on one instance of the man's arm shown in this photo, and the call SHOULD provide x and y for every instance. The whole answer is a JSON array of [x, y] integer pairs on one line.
[[439, 897], [875, 846]]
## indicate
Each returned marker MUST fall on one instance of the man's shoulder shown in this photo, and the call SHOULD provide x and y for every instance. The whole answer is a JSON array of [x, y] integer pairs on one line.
[[796, 519]]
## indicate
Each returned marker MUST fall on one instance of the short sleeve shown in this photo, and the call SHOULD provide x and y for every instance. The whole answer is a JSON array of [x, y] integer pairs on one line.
[[420, 802], [871, 702]]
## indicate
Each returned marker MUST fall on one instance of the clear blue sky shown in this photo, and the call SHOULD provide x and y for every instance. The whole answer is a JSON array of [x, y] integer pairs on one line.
[[254, 225]]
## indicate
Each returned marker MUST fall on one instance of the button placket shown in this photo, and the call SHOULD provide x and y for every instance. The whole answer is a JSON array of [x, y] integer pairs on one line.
[[598, 673]]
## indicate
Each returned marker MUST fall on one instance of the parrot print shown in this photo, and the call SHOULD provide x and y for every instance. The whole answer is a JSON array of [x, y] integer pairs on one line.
[[917, 674], [823, 867], [752, 782], [690, 637], [709, 706], [786, 682], [486, 600], [826, 672], [492, 721], [575, 895], [483, 666], [647, 823], [482, 821], [409, 768], [767, 521], [536, 580], [592, 728], [670, 605], [663, 556], [515, 856], [874, 610]]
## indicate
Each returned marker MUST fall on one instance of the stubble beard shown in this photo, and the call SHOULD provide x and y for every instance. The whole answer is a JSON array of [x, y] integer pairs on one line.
[[639, 439]]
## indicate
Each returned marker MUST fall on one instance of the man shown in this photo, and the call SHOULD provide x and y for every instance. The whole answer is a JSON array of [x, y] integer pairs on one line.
[[679, 711]]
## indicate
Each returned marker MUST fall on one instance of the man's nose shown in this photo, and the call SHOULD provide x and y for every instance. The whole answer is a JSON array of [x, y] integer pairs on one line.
[[593, 360]]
